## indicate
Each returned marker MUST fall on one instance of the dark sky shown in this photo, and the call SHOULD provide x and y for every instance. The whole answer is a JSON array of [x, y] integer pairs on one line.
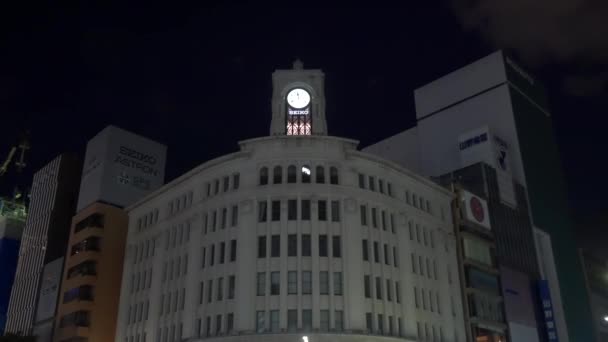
[[199, 80]]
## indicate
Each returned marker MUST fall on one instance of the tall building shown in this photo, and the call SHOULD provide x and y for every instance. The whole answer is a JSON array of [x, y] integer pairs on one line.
[[494, 111], [12, 220], [298, 236], [45, 236], [120, 167]]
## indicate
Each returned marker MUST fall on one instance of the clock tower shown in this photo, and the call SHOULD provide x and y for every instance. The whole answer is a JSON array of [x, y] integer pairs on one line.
[[298, 101]]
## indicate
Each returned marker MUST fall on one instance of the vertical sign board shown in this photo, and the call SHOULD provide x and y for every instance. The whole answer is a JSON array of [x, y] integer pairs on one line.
[[49, 290], [547, 307]]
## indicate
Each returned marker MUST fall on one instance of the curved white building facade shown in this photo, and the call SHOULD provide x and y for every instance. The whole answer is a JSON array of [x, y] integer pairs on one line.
[[293, 238]]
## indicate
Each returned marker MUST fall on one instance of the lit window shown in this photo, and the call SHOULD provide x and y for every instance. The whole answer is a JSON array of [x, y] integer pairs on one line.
[[306, 174]]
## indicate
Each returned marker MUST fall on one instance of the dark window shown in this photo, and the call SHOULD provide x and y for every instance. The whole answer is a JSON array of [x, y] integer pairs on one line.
[[305, 210], [292, 282], [292, 320], [364, 250], [322, 210], [226, 183], [208, 189], [84, 293], [306, 174], [395, 263], [204, 254], [361, 181], [262, 211], [216, 187], [291, 174], [383, 214], [261, 246], [235, 216], [93, 221], [236, 180], [276, 210], [363, 210], [322, 245], [393, 223], [306, 282], [222, 252], [229, 323], [389, 290], [292, 210], [91, 243], [264, 176], [336, 247], [333, 175], [85, 268], [372, 183], [275, 283], [292, 245], [220, 289], [76, 318], [261, 284], [367, 287], [335, 211], [306, 250], [307, 320], [201, 294], [212, 261], [387, 260], [275, 246], [277, 175], [323, 282], [398, 293], [337, 283], [368, 322], [376, 252], [218, 325], [214, 220], [389, 188], [232, 250], [381, 185], [378, 288], [374, 218], [320, 174]]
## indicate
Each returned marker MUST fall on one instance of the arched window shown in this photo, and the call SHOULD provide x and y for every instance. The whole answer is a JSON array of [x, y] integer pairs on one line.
[[291, 174], [320, 175], [264, 176], [277, 175], [306, 174], [333, 175]]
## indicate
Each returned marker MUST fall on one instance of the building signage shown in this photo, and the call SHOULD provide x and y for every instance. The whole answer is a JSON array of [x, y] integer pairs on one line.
[[475, 209], [547, 308], [304, 111]]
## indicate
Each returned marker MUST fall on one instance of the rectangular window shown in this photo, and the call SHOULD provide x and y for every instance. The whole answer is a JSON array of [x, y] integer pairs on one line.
[[383, 216], [380, 324], [428, 267], [234, 220], [292, 282], [416, 297], [413, 257], [275, 246], [411, 229], [336, 246], [368, 322], [208, 189], [201, 294], [232, 250], [260, 321], [222, 252], [397, 292], [231, 286], [393, 228], [323, 282], [322, 245], [306, 282], [229, 323], [395, 257], [275, 283], [389, 188], [292, 320], [378, 288], [387, 260], [292, 210], [376, 252], [418, 233], [425, 235], [361, 181], [306, 248], [423, 296], [292, 245], [225, 183], [210, 291], [374, 218], [337, 283], [207, 328], [261, 246], [339, 320], [335, 211], [400, 327], [224, 217], [391, 327], [261, 284], [435, 268], [381, 185], [367, 286], [212, 255], [276, 210], [262, 211], [274, 321], [236, 180], [214, 225], [389, 290], [363, 210], [420, 265], [364, 250], [322, 204], [305, 210], [220, 289], [307, 320], [324, 320], [372, 183]]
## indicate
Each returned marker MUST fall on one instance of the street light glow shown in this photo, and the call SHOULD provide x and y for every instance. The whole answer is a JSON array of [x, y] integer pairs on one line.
[[304, 338], [605, 318]]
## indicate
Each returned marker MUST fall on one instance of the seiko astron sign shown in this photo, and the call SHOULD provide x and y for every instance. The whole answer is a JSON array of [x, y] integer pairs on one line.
[[120, 167]]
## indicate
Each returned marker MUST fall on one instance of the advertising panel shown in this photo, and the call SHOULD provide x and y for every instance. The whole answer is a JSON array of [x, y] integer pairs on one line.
[[49, 290], [547, 305], [475, 209]]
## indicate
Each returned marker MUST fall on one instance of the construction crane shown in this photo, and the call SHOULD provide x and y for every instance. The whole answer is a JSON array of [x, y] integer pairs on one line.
[[20, 147]]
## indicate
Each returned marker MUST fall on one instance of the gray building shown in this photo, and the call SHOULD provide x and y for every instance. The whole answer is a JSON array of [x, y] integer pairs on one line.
[[45, 236]]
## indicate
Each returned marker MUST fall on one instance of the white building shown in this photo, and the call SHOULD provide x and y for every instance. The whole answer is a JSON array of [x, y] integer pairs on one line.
[[296, 237]]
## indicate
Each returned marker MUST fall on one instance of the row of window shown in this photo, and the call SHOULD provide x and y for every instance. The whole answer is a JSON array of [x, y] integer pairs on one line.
[[380, 327], [92, 243], [386, 220], [85, 268], [381, 291], [211, 221], [431, 335], [302, 323], [365, 246], [209, 331], [221, 254], [79, 318], [133, 338], [177, 235], [219, 289], [306, 175], [95, 220], [180, 203], [369, 182], [304, 212], [147, 220], [421, 235], [172, 301], [423, 297], [305, 244], [138, 312], [418, 202], [175, 268], [141, 281], [213, 188], [418, 267], [306, 283], [83, 292], [143, 250]]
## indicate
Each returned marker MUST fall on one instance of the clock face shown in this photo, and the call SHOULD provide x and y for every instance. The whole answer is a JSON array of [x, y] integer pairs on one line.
[[298, 98]]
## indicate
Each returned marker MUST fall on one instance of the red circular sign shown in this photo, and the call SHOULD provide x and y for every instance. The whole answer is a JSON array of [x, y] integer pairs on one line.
[[477, 209]]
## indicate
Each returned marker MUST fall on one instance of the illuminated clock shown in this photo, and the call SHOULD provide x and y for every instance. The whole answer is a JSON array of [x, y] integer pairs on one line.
[[298, 98]]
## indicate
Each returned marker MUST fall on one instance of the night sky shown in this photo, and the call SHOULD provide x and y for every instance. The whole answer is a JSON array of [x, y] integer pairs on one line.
[[199, 80]]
